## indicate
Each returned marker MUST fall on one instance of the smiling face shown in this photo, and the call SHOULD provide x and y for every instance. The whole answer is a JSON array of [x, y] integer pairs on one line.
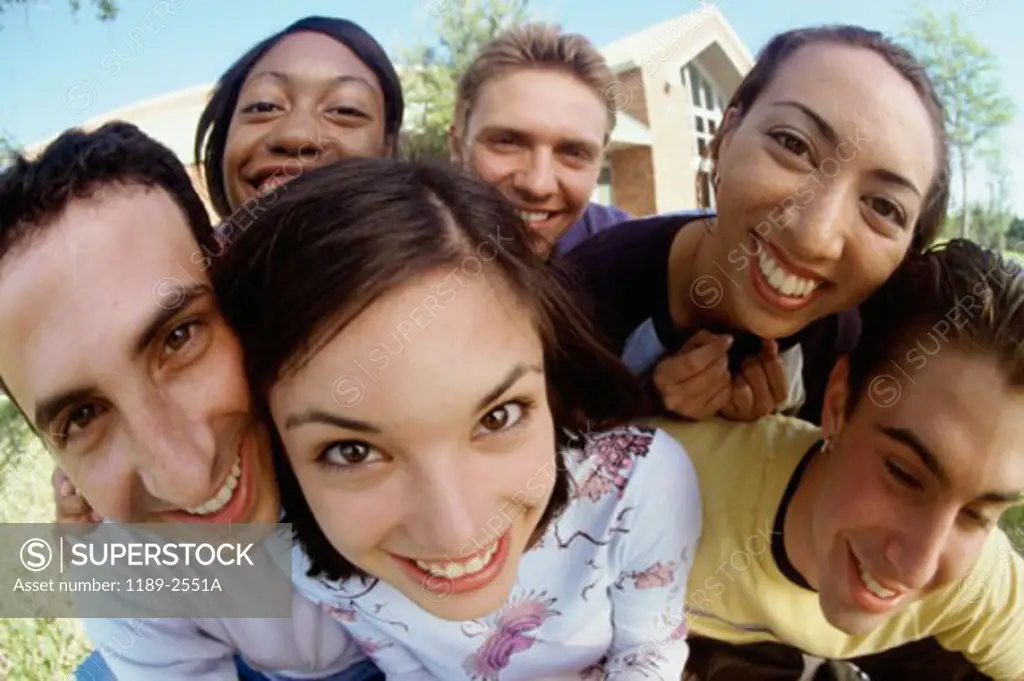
[[308, 101], [821, 183], [538, 136], [907, 494], [114, 348], [426, 449]]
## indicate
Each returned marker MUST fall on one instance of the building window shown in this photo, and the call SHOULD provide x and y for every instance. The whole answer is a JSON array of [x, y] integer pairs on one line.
[[603, 192], [708, 108]]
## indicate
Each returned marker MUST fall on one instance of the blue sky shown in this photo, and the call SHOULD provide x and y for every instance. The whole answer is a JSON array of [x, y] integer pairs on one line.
[[60, 71]]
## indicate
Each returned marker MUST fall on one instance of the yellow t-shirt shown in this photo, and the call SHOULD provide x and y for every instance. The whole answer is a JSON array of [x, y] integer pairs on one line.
[[738, 594]]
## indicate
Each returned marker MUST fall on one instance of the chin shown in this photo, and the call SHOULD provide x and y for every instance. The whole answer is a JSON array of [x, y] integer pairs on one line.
[[853, 623]]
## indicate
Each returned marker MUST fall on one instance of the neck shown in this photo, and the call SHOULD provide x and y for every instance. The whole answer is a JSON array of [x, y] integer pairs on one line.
[[691, 275], [797, 529]]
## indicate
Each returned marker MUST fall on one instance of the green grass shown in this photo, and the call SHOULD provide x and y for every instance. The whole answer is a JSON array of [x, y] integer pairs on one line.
[[35, 649]]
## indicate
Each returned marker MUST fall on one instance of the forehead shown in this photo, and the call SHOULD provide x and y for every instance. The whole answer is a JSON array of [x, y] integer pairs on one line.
[[312, 56], [75, 297], [424, 352], [865, 100], [961, 407], [544, 103]]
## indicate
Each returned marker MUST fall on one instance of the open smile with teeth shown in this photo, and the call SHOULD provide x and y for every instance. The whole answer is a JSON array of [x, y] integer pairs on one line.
[[529, 216], [271, 183], [876, 589], [223, 496], [784, 283], [456, 569]]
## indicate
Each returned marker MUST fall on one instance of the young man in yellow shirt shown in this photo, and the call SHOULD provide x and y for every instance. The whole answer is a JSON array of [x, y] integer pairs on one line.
[[878, 529]]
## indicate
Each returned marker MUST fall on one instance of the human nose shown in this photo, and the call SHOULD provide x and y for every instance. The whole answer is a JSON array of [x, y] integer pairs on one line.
[[297, 135], [823, 225], [445, 518], [916, 551], [175, 454], [538, 179]]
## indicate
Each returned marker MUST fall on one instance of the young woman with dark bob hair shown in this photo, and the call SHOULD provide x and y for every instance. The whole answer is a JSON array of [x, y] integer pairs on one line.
[[320, 89], [453, 451], [829, 165]]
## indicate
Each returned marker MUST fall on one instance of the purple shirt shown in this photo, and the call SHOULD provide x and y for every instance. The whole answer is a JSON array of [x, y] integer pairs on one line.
[[596, 218]]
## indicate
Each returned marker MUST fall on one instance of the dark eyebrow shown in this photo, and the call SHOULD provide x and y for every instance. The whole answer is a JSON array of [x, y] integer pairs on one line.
[[346, 79], [517, 372], [48, 408], [906, 437], [321, 416], [183, 297], [823, 126], [830, 134]]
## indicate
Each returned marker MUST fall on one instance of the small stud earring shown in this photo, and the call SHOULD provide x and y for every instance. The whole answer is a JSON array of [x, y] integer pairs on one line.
[[826, 444]]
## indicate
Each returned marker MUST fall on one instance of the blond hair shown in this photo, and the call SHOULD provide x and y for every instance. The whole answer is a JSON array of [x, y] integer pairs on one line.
[[535, 46]]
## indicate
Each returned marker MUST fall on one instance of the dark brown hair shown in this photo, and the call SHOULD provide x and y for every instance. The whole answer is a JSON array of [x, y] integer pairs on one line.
[[781, 47], [954, 295], [76, 165], [347, 233]]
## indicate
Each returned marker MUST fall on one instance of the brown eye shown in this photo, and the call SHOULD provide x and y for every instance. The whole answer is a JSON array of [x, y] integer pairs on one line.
[[180, 336], [791, 143], [347, 453], [502, 418], [78, 419]]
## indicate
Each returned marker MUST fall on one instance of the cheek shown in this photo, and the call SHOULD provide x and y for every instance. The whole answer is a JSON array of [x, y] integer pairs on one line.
[[354, 522], [223, 383], [869, 259], [491, 167], [578, 185]]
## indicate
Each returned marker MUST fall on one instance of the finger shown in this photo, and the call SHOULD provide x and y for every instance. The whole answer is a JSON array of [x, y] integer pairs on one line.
[[702, 337], [770, 347], [763, 402], [683, 365], [707, 382], [73, 505], [742, 398], [778, 382], [720, 400], [692, 398]]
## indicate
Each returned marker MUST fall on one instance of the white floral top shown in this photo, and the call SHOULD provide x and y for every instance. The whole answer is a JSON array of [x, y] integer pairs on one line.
[[600, 597]]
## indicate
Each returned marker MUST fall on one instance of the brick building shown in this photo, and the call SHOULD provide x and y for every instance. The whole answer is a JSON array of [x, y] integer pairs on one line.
[[673, 81]]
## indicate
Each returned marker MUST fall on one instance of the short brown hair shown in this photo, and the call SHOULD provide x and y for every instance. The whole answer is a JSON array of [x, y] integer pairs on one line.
[[781, 47], [535, 46], [957, 294]]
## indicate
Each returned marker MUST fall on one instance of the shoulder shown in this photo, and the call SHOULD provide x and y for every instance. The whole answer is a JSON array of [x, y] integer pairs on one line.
[[739, 458], [633, 462], [639, 236], [982, 614]]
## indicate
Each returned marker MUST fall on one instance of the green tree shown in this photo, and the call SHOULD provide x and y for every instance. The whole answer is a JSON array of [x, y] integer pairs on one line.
[[15, 436], [430, 70], [1012, 523], [966, 75], [1015, 234], [106, 10]]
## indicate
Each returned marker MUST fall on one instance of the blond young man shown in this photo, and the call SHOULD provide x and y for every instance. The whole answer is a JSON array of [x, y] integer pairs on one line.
[[534, 112]]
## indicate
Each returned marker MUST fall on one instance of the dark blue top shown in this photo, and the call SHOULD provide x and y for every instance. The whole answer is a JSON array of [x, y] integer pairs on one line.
[[596, 218], [624, 274]]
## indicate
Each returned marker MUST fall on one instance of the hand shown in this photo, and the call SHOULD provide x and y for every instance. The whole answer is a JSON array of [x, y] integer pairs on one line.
[[759, 388], [695, 381], [71, 506]]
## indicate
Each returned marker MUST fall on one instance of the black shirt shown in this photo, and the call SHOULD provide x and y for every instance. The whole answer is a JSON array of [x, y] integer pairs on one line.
[[624, 272]]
